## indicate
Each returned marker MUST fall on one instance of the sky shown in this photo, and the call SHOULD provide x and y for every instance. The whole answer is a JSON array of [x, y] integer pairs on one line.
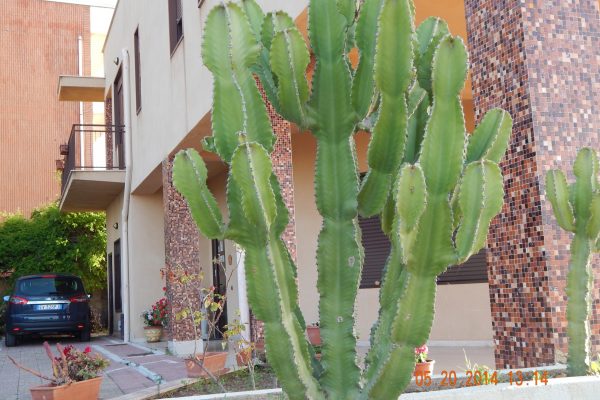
[[96, 3]]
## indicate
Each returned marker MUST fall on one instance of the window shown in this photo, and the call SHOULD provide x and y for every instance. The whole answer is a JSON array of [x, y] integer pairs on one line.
[[138, 72], [49, 286], [175, 23], [377, 249]]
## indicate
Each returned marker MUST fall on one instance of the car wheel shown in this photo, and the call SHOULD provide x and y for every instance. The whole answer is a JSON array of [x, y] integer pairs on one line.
[[85, 336], [10, 340]]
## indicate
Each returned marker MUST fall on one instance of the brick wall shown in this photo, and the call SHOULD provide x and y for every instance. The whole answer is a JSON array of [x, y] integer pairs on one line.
[[38, 42]]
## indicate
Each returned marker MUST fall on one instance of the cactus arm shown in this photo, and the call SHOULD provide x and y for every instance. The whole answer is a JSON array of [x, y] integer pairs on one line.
[[393, 75], [444, 141], [441, 156], [348, 9], [412, 195], [585, 170], [272, 23], [238, 105], [336, 187], [189, 177], [289, 60], [255, 16], [593, 227], [418, 103], [481, 198], [558, 194], [251, 168], [366, 38], [441, 160], [579, 306], [490, 139], [429, 34], [252, 171]]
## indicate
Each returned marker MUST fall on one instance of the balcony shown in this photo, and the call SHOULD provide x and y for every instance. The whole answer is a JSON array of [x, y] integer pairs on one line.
[[93, 169]]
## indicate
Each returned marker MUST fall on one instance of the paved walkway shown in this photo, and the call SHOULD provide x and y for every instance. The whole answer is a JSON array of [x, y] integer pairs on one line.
[[136, 367], [132, 367]]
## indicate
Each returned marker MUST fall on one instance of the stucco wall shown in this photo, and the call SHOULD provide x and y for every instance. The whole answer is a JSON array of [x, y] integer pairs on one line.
[[147, 257]]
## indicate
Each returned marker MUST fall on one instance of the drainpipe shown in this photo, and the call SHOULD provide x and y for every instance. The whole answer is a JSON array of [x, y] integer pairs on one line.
[[126, 195], [80, 72], [242, 292]]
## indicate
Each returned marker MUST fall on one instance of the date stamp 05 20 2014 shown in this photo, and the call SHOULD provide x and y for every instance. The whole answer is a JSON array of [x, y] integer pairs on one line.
[[479, 378]]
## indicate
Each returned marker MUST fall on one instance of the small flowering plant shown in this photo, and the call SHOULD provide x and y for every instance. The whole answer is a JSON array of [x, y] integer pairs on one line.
[[157, 314], [70, 365], [421, 354]]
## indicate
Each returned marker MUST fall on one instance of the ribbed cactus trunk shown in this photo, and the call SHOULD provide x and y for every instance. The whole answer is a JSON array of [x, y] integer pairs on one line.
[[435, 188], [577, 210]]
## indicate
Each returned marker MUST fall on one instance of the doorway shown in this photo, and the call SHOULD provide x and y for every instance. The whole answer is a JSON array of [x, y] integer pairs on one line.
[[219, 282], [111, 305]]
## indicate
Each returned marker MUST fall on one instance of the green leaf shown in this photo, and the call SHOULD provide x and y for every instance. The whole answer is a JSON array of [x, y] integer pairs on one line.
[[189, 177]]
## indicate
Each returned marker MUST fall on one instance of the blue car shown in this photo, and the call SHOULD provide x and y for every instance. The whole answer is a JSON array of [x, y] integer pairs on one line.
[[47, 304]]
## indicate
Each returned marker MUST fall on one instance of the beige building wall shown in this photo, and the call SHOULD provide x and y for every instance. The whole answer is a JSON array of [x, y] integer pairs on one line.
[[147, 257]]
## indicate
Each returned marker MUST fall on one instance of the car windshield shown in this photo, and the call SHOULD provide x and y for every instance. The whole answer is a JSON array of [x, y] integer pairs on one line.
[[49, 286]]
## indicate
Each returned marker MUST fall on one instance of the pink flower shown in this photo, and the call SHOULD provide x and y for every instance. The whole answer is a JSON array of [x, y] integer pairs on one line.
[[421, 350], [87, 350]]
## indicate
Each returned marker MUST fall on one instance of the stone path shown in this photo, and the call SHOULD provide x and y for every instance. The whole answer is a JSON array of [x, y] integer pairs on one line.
[[132, 367]]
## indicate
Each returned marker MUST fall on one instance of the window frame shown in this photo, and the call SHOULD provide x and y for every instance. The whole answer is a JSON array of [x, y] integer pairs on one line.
[[175, 24], [138, 72]]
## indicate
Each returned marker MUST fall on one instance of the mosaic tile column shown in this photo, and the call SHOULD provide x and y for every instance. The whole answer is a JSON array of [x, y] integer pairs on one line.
[[182, 250], [540, 60]]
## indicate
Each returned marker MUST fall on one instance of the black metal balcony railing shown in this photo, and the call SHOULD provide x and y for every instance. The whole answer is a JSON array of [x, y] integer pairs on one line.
[[93, 148]]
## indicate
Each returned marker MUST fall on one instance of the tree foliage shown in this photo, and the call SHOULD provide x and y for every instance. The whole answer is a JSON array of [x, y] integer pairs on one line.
[[51, 241]]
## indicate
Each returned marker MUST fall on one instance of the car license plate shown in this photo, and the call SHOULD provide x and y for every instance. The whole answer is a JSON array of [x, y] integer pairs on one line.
[[47, 307]]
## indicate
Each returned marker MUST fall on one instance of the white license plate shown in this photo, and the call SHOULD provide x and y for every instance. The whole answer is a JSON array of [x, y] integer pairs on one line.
[[46, 307]]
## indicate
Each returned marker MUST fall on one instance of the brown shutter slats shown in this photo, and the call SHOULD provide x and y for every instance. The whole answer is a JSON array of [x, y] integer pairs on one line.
[[377, 250]]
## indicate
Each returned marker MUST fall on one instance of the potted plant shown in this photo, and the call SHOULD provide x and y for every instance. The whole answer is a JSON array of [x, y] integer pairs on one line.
[[423, 365], [209, 309], [155, 319], [75, 374], [314, 334]]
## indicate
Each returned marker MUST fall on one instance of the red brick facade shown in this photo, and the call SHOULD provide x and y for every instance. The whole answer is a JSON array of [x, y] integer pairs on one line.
[[38, 42], [540, 61]]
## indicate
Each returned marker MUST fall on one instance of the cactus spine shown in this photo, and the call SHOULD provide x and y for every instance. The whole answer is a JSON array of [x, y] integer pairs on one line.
[[577, 210], [430, 183]]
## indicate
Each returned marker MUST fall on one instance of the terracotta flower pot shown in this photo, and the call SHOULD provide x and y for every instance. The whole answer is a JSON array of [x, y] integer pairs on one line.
[[314, 335], [213, 361], [243, 358], [153, 333], [422, 368], [84, 390]]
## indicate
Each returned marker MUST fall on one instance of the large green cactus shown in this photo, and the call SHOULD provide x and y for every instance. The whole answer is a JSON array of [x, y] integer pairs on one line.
[[435, 188], [577, 209]]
